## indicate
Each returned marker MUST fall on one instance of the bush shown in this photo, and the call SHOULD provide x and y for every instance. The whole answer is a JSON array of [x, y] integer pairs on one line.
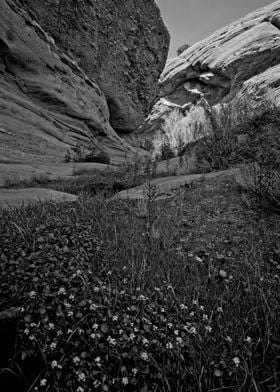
[[79, 153]]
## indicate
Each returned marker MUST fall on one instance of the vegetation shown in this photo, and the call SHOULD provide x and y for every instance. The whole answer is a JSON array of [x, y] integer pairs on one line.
[[153, 295], [80, 153]]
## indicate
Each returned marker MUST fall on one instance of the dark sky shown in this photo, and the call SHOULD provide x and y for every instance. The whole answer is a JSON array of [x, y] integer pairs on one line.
[[190, 21]]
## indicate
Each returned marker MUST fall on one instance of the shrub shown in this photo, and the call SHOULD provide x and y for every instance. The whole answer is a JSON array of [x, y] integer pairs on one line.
[[79, 153]]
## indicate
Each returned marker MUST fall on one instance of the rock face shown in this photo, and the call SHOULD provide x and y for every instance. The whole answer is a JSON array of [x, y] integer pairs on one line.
[[123, 45], [231, 64], [47, 103]]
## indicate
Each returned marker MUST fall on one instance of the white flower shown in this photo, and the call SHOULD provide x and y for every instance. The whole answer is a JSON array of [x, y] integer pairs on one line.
[[220, 309], [54, 364], [93, 335], [96, 289], [156, 289], [205, 317], [80, 389], [236, 360], [67, 305], [223, 274], [26, 331], [70, 313], [32, 295], [115, 318], [125, 380], [169, 345], [53, 345], [33, 325], [81, 376], [96, 383], [201, 308], [93, 307], [229, 339], [61, 291], [69, 330], [170, 325], [111, 341], [142, 298], [183, 307], [51, 326], [176, 332], [145, 341], [138, 288], [208, 328], [76, 360], [179, 340], [132, 336], [31, 337], [144, 356], [71, 297], [193, 330], [192, 314], [195, 302], [43, 382], [248, 340], [134, 371], [78, 272], [95, 326], [59, 333]]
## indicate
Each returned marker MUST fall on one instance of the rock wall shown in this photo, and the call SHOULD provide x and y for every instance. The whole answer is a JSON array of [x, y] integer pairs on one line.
[[232, 64], [47, 103], [123, 45]]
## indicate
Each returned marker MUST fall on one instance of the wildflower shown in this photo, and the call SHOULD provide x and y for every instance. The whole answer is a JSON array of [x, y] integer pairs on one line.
[[71, 297], [93, 335], [220, 309], [80, 331], [54, 364], [156, 289], [67, 305], [179, 340], [248, 340], [93, 307], [51, 326], [144, 356], [81, 376], [53, 345], [96, 289], [125, 281], [218, 373], [59, 333], [61, 291], [122, 292], [115, 318], [193, 330], [229, 339], [236, 360], [32, 294], [33, 325], [70, 313], [111, 341], [31, 337], [176, 332], [223, 274], [76, 360], [169, 345], [109, 273], [138, 288], [155, 328], [98, 360], [132, 336], [43, 382], [69, 330], [208, 328], [80, 389], [96, 383], [183, 307], [78, 272], [125, 380], [145, 341], [141, 298], [195, 302], [134, 371], [170, 325], [192, 314], [95, 326], [205, 317], [26, 331], [201, 308]]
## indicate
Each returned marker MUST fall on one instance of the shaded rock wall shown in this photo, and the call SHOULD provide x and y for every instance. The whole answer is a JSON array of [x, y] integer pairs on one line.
[[123, 45], [47, 103]]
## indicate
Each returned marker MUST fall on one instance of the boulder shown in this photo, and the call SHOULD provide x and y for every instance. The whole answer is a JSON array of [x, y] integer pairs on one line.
[[123, 45], [239, 62], [47, 102]]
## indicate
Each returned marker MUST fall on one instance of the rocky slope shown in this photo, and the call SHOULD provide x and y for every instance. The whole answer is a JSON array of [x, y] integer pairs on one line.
[[123, 45], [238, 61]]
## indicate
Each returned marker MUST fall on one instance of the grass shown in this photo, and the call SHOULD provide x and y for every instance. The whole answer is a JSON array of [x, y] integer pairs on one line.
[[156, 295]]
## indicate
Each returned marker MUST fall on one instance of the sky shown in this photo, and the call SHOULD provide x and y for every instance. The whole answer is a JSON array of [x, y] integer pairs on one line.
[[189, 21]]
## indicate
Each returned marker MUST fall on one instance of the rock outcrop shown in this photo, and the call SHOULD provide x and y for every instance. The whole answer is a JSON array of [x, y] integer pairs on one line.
[[232, 64], [123, 45], [47, 103]]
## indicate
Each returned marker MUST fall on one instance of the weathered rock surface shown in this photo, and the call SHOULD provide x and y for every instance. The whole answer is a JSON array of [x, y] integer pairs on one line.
[[232, 64], [14, 197], [123, 45], [166, 186], [47, 103]]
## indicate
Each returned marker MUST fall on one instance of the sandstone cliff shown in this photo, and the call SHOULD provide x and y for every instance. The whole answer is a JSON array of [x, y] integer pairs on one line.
[[123, 45], [47, 103], [232, 64]]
